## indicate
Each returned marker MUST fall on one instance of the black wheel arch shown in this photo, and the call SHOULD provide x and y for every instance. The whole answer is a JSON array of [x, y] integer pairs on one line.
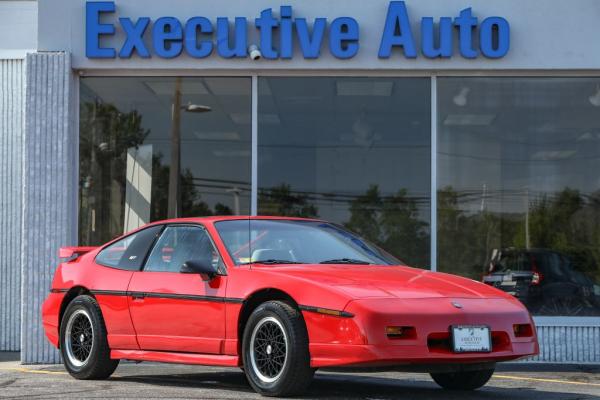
[[70, 295], [256, 299]]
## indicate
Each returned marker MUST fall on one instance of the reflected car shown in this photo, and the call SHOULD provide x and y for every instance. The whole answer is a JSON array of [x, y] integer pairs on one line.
[[279, 297], [544, 280]]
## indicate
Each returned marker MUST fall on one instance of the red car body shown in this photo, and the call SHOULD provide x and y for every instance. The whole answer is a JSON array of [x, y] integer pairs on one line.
[[172, 317]]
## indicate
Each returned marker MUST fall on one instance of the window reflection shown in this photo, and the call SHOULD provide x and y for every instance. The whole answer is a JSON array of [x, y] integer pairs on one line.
[[148, 153], [518, 188], [355, 151]]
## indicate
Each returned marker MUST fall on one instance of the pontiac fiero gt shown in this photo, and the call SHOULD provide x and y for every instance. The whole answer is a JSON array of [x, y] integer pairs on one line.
[[278, 297]]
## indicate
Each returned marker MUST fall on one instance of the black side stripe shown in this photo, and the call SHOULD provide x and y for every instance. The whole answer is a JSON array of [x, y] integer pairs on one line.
[[192, 297], [109, 292]]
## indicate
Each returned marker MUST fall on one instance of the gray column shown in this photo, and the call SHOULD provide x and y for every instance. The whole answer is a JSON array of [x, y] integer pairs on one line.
[[12, 126], [49, 190]]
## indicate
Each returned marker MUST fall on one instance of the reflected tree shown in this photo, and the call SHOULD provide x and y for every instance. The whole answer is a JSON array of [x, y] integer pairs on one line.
[[569, 224], [393, 223], [365, 216], [108, 135], [281, 201], [192, 204], [466, 241]]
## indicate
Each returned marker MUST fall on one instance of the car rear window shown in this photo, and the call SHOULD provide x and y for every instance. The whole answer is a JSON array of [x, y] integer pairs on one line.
[[129, 253]]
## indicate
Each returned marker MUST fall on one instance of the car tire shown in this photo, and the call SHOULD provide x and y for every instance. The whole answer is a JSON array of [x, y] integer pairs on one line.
[[463, 380], [83, 344], [275, 350]]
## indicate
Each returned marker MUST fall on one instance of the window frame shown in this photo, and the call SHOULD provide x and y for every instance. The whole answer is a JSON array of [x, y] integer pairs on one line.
[[221, 268], [118, 239]]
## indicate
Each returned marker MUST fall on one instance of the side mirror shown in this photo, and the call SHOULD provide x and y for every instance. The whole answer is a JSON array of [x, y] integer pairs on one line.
[[206, 271]]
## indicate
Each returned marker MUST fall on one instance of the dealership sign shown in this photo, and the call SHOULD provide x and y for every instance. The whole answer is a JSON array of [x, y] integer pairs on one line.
[[198, 37]]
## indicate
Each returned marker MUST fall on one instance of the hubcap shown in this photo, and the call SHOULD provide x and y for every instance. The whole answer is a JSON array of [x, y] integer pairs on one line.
[[268, 349], [79, 338]]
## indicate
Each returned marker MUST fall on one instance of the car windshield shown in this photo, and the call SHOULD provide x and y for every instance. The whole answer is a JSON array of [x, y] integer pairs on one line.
[[297, 242]]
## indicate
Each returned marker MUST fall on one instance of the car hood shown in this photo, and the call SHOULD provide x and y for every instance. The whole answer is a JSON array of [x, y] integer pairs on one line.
[[367, 281]]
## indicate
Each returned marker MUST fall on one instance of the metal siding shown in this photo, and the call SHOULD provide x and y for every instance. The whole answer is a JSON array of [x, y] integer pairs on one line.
[[568, 344], [48, 205], [11, 144]]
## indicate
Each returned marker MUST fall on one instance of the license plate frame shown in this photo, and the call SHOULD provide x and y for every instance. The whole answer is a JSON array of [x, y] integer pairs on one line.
[[471, 338]]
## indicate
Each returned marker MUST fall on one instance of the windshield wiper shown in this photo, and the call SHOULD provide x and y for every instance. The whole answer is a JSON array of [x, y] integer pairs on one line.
[[273, 261], [345, 261]]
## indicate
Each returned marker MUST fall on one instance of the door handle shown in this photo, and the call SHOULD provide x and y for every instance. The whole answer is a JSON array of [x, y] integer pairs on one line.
[[138, 296]]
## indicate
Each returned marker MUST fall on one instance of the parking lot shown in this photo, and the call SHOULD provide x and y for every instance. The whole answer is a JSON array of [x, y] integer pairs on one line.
[[149, 380]]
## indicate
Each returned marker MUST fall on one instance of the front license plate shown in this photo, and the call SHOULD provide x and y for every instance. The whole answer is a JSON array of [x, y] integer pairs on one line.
[[466, 338]]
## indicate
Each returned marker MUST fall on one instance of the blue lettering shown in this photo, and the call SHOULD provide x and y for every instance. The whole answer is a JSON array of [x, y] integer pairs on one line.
[[465, 23], [265, 24], [397, 32], [167, 35], [193, 28], [428, 42], [285, 35], [486, 37], [310, 45], [133, 37], [94, 29], [239, 38], [343, 37]]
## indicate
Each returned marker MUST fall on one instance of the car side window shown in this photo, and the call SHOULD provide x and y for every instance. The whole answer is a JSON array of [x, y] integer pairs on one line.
[[179, 244], [129, 253]]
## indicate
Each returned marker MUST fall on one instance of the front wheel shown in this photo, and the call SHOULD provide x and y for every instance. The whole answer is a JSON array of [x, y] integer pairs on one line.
[[275, 350], [464, 380], [83, 344]]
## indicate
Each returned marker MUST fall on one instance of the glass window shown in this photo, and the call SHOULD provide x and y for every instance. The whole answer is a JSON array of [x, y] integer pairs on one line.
[[129, 253], [161, 147], [519, 189], [289, 241], [179, 244], [354, 151]]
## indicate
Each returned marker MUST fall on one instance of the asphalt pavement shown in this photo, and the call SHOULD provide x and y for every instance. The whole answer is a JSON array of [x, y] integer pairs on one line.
[[165, 381]]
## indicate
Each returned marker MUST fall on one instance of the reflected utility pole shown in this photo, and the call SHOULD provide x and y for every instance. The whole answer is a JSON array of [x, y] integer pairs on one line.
[[174, 202], [236, 199], [527, 218], [174, 195]]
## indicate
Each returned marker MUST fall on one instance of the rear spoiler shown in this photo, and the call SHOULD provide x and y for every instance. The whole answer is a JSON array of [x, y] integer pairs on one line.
[[68, 252]]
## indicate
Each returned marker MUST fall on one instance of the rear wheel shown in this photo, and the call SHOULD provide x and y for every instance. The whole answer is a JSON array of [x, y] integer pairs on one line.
[[83, 343], [463, 380], [275, 350]]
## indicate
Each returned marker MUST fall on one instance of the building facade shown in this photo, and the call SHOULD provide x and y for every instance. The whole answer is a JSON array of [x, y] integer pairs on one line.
[[461, 136]]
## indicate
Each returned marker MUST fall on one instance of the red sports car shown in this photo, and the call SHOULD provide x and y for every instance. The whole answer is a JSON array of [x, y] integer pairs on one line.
[[279, 297]]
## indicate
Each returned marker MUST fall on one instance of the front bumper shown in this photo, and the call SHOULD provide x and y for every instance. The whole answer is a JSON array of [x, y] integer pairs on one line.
[[431, 319]]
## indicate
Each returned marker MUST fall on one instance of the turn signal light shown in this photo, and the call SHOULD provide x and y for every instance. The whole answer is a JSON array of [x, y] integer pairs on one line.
[[401, 332], [523, 330]]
